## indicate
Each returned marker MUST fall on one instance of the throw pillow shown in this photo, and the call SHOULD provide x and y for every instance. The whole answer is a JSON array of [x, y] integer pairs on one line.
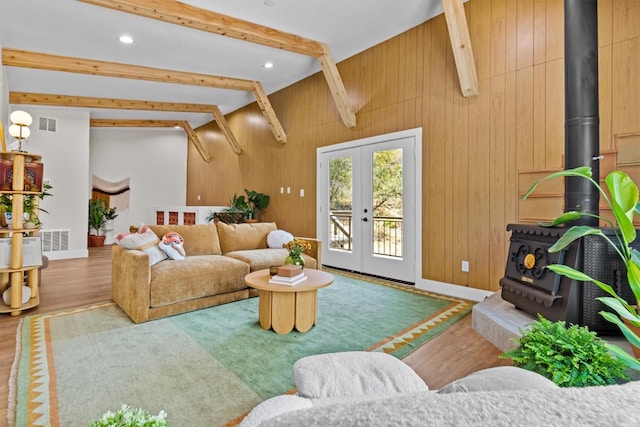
[[277, 238], [354, 373], [144, 240], [240, 237], [498, 379], [172, 244]]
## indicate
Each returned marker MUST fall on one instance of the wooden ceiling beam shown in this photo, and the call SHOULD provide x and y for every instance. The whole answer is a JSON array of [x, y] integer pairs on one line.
[[193, 137], [461, 45], [107, 103], [189, 16], [224, 127], [269, 113], [44, 61], [336, 86], [133, 123], [213, 22]]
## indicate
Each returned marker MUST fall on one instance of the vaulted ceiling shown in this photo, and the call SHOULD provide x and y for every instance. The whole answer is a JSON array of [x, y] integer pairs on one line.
[[191, 61]]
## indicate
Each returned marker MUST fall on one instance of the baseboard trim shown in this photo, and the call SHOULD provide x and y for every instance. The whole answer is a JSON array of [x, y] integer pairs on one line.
[[83, 253], [452, 290]]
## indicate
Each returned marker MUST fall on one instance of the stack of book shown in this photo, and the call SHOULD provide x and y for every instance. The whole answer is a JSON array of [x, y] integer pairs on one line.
[[290, 281]]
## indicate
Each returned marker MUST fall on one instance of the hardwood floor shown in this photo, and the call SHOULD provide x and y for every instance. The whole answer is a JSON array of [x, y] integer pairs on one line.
[[74, 282]]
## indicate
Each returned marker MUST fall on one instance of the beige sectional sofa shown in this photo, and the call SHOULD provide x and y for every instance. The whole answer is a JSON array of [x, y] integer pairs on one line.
[[218, 257]]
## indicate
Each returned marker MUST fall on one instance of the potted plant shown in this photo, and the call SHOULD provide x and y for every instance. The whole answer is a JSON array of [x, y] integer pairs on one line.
[[31, 219], [98, 217], [256, 203], [234, 214], [623, 202], [570, 357]]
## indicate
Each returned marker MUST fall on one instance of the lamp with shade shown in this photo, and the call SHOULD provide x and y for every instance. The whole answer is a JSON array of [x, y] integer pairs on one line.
[[21, 120]]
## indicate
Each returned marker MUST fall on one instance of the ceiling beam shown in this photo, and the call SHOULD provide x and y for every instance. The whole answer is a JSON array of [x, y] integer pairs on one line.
[[461, 45], [224, 127], [213, 22], [191, 134], [132, 123], [43, 61], [269, 113], [193, 137], [189, 16], [107, 103], [332, 75]]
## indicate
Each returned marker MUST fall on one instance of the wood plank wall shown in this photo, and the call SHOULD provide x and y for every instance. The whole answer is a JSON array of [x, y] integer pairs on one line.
[[472, 148]]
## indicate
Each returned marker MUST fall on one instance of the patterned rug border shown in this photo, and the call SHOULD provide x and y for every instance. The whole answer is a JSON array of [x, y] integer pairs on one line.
[[40, 357], [418, 329]]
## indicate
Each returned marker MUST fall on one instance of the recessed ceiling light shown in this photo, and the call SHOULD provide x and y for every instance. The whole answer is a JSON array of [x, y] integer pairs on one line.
[[125, 39], [268, 65]]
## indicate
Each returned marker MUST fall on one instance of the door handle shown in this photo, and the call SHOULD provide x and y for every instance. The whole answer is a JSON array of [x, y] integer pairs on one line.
[[365, 219]]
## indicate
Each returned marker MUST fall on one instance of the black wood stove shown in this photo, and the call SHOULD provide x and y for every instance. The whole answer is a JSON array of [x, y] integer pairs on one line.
[[527, 284]]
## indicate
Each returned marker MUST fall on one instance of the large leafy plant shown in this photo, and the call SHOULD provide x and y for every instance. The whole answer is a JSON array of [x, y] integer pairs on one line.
[[570, 357], [623, 202]]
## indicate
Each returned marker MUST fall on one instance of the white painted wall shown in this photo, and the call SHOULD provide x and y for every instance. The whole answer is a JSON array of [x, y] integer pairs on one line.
[[155, 160], [65, 154]]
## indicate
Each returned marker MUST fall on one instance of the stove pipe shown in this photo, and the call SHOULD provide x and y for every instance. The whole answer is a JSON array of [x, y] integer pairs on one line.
[[582, 121]]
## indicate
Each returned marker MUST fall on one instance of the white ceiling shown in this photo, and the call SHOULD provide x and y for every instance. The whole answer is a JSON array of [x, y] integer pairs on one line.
[[73, 28]]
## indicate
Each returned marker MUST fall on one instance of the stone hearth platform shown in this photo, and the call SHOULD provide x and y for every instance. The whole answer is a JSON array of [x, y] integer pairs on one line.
[[499, 322]]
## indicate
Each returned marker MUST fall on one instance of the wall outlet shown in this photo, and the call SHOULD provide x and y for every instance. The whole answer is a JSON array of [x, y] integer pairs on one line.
[[465, 266]]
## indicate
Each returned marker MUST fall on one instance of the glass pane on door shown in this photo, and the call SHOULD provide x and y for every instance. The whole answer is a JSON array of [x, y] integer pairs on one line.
[[387, 176], [341, 204]]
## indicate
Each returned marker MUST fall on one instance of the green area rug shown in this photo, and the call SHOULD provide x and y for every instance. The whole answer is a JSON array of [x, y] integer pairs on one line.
[[207, 367]]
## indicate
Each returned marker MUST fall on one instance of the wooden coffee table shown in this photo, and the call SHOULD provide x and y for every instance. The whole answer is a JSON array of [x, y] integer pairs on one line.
[[283, 307]]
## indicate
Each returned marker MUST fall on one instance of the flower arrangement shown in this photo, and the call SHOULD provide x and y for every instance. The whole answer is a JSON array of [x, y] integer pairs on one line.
[[127, 416], [296, 247]]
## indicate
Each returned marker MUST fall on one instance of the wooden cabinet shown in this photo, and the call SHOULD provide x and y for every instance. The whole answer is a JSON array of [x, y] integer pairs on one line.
[[17, 274]]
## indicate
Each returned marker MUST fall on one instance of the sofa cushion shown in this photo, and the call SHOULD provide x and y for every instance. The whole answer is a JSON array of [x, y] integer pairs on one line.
[[354, 373], [199, 239], [239, 237], [499, 378], [195, 277], [259, 259]]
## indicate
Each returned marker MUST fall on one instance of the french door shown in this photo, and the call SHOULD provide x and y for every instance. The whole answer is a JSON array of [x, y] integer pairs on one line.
[[367, 200]]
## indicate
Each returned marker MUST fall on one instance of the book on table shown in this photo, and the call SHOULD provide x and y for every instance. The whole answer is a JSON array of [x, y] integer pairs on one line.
[[284, 280]]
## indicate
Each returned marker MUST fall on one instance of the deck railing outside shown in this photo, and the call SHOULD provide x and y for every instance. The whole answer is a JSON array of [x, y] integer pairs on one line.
[[387, 233]]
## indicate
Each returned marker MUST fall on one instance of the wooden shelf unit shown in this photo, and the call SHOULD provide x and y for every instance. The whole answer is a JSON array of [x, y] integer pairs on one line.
[[14, 276]]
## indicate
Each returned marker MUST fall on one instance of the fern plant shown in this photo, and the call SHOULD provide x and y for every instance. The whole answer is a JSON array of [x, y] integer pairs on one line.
[[570, 357]]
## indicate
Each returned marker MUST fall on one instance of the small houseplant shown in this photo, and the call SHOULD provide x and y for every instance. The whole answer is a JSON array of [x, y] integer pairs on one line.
[[256, 203], [296, 247], [99, 214], [29, 207], [623, 202], [570, 357], [234, 214], [127, 416]]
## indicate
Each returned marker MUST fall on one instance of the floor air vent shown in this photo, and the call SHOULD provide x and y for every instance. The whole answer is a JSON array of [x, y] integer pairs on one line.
[[55, 240]]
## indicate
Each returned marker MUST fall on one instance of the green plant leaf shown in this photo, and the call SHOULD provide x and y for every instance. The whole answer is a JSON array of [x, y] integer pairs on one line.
[[573, 234], [633, 277], [562, 219], [628, 333], [583, 171], [623, 310], [625, 357]]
